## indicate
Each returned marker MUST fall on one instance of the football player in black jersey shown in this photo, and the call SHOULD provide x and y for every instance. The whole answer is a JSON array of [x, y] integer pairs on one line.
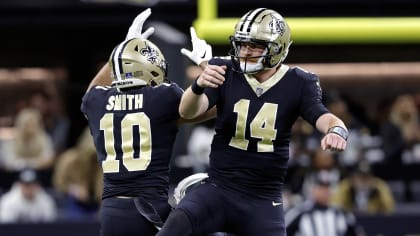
[[133, 117], [258, 99]]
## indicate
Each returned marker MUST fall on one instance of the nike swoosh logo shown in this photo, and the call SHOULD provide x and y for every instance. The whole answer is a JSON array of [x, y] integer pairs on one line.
[[204, 55], [276, 203]]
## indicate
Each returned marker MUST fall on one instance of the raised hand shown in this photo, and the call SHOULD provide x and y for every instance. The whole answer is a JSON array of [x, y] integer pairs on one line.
[[135, 30], [201, 51]]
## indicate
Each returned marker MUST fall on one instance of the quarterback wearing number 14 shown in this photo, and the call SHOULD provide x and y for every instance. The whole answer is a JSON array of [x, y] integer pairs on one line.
[[258, 98]]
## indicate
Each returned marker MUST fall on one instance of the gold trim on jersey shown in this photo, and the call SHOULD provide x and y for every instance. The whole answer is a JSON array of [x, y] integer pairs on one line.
[[261, 88]]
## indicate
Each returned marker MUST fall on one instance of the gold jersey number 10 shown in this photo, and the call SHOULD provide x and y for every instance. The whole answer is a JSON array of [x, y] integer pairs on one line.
[[111, 164]]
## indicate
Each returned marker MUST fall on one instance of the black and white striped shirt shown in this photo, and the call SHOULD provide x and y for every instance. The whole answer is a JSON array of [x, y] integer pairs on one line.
[[311, 219]]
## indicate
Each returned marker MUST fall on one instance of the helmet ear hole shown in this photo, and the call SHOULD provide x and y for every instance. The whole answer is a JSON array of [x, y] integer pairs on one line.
[[154, 73], [276, 49]]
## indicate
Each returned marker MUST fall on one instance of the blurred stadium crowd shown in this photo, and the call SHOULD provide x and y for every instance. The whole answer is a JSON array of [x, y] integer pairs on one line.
[[377, 174]]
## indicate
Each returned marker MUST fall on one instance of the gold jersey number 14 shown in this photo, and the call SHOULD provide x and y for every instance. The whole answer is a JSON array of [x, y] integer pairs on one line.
[[261, 127]]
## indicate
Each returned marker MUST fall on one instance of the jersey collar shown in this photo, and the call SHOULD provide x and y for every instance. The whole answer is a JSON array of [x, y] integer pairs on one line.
[[260, 88]]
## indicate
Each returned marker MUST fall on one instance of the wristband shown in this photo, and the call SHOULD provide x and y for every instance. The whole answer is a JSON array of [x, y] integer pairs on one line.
[[197, 89], [340, 131]]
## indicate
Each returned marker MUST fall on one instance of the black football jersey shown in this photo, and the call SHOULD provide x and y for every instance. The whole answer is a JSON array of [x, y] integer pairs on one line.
[[134, 132], [250, 149]]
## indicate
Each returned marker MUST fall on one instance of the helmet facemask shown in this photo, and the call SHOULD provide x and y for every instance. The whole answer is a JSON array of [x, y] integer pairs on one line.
[[137, 62], [253, 64]]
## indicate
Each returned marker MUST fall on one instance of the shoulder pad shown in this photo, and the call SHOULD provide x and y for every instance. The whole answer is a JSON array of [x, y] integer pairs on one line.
[[170, 87], [304, 74], [177, 87]]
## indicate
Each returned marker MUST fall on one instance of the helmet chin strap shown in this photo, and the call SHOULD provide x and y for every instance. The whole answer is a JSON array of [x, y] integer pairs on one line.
[[250, 68]]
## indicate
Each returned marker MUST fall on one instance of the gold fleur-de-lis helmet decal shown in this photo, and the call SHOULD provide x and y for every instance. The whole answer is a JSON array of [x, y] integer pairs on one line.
[[277, 26], [150, 53]]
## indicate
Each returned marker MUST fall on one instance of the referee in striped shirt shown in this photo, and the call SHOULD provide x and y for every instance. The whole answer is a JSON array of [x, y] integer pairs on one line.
[[316, 217]]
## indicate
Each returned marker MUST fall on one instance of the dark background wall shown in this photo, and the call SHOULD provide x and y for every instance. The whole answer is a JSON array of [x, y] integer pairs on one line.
[[47, 32]]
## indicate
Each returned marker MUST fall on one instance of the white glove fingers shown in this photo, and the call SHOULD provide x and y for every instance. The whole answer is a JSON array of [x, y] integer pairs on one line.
[[143, 15], [135, 29], [193, 35], [187, 53], [201, 51], [140, 19], [147, 33]]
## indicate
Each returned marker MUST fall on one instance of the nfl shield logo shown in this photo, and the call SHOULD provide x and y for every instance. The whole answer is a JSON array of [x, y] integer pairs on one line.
[[259, 91]]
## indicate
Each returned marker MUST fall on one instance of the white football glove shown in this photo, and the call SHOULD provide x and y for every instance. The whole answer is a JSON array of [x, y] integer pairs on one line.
[[201, 50], [136, 27]]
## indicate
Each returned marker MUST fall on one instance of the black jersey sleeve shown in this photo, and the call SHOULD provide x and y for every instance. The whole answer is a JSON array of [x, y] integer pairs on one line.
[[83, 106], [311, 107], [177, 93], [213, 93]]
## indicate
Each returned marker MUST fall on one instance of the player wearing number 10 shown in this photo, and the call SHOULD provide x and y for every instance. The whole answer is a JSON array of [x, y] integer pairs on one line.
[[258, 99], [134, 124], [132, 111]]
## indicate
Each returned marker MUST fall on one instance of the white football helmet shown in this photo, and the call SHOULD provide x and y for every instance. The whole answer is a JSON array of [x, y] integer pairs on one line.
[[137, 62], [263, 27], [187, 182]]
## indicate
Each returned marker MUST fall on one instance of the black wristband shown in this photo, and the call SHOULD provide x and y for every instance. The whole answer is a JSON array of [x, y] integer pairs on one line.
[[197, 89], [342, 132]]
